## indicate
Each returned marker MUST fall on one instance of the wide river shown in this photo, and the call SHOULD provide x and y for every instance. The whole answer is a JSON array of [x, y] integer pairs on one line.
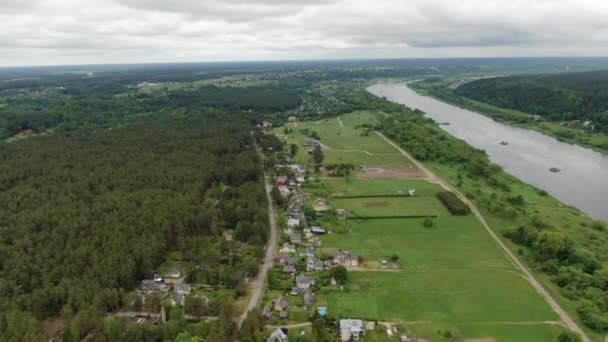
[[582, 182]]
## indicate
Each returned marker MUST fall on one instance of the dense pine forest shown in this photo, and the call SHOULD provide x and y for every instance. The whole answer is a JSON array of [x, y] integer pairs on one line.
[[581, 96], [85, 217]]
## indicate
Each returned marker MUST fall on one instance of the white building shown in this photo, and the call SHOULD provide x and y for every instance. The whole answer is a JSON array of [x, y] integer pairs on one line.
[[351, 329]]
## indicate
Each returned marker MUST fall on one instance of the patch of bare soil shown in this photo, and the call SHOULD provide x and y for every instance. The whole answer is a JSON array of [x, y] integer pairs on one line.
[[389, 172]]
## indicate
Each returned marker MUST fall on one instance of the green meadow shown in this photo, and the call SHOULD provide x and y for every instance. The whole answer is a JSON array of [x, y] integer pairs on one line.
[[391, 206], [457, 296], [452, 243], [378, 187], [450, 276]]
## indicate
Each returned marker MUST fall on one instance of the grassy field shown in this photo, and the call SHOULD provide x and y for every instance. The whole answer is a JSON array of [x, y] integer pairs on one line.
[[499, 332], [451, 276], [452, 243], [345, 144], [376, 187], [459, 296], [391, 206]]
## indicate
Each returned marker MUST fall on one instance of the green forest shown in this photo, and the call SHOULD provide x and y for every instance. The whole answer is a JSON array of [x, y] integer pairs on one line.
[[86, 216], [581, 96]]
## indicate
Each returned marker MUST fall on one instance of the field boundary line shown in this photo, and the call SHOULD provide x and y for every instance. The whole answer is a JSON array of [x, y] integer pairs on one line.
[[565, 317]]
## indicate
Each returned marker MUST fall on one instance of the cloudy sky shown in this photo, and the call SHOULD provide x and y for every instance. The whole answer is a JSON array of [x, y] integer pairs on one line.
[[48, 32]]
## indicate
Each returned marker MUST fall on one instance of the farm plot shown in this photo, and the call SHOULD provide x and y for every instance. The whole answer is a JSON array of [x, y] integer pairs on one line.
[[452, 243], [356, 187], [463, 296], [403, 206]]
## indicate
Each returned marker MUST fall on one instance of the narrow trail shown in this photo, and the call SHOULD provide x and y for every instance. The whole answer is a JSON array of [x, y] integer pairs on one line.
[[258, 285], [570, 323], [290, 326], [340, 122]]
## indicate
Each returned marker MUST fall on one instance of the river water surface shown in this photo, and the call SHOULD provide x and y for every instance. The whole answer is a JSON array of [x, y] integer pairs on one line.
[[582, 182]]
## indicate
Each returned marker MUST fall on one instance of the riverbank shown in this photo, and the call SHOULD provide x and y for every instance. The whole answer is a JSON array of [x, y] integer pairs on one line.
[[529, 155], [596, 141], [521, 215]]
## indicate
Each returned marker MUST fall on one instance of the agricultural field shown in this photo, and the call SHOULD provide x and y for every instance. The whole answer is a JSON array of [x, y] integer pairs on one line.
[[401, 206], [452, 243], [355, 187], [344, 143], [457, 296], [448, 275]]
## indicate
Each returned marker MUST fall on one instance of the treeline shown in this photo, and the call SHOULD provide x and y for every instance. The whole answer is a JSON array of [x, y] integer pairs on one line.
[[581, 96], [264, 98], [85, 216], [453, 203]]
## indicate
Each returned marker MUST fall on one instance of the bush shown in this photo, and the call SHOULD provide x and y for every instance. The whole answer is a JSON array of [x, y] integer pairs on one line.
[[453, 203], [428, 222]]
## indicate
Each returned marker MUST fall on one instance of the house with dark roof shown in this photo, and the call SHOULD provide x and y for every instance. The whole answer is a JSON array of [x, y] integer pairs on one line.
[[290, 270], [280, 304], [304, 282], [309, 298]]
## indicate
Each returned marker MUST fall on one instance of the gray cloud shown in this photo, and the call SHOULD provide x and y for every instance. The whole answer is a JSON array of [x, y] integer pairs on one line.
[[96, 31]]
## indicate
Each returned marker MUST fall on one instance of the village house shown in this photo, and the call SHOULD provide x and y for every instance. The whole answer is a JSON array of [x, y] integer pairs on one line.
[[344, 258], [174, 276], [284, 314], [404, 338], [351, 329], [290, 270], [291, 261], [292, 119], [280, 304], [287, 249], [178, 299], [266, 124], [293, 209], [304, 282], [293, 223], [278, 336], [281, 181], [295, 238], [309, 298], [152, 286], [183, 289], [317, 230], [267, 313], [284, 190], [280, 258], [341, 213], [299, 198]]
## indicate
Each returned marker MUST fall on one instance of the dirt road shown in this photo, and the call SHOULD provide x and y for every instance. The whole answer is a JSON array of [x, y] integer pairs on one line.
[[258, 285], [570, 323]]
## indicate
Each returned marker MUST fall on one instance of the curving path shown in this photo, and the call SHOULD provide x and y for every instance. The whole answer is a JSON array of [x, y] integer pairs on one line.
[[570, 323]]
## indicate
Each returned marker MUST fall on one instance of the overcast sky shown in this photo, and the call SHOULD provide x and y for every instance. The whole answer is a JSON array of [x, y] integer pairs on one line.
[[48, 32]]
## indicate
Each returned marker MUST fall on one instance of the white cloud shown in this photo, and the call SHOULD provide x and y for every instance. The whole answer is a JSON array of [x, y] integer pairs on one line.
[[115, 31]]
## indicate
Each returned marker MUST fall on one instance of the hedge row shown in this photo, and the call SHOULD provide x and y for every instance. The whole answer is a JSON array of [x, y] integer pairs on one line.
[[453, 203]]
